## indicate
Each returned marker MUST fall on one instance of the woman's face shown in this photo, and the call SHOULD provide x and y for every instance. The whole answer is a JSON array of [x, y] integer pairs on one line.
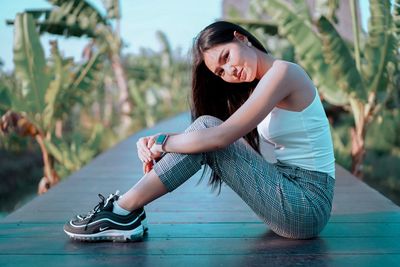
[[234, 62]]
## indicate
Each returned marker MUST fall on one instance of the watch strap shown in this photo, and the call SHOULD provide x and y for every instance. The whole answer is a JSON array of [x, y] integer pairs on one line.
[[161, 139]]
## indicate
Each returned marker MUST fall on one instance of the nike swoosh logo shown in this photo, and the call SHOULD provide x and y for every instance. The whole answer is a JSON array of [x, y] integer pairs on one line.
[[102, 229]]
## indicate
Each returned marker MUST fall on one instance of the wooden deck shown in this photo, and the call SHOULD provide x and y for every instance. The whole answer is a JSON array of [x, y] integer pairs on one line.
[[193, 227]]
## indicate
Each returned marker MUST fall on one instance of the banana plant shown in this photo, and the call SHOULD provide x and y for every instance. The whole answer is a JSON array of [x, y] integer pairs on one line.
[[369, 76], [47, 91], [298, 29], [362, 83], [30, 69], [79, 18], [73, 154]]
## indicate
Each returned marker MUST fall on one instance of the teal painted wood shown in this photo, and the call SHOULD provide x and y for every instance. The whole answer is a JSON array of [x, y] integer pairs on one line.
[[192, 226]]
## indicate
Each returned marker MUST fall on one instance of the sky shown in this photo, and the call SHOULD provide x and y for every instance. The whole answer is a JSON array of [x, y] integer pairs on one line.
[[181, 20]]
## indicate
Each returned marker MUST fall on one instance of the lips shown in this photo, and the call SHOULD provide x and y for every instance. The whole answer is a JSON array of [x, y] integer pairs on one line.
[[240, 74]]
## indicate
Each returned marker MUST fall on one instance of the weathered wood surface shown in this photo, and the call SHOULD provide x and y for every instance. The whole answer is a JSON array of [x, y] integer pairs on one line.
[[192, 226]]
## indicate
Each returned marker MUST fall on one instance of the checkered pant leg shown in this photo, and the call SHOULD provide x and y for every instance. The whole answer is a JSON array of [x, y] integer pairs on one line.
[[174, 169], [294, 202]]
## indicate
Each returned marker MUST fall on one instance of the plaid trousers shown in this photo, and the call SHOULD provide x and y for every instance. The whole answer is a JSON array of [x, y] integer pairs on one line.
[[293, 202]]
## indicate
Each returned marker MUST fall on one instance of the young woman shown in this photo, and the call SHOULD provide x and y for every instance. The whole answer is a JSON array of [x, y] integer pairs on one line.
[[239, 93]]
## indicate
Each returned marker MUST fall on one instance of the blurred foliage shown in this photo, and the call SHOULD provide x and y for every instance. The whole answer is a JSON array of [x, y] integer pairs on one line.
[[159, 84], [381, 166], [45, 93], [72, 109], [113, 9], [73, 152], [80, 18]]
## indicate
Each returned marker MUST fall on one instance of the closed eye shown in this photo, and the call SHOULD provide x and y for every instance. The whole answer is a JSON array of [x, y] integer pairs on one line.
[[225, 59], [226, 56]]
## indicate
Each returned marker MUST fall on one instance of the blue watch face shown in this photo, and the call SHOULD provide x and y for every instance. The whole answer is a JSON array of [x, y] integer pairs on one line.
[[160, 139]]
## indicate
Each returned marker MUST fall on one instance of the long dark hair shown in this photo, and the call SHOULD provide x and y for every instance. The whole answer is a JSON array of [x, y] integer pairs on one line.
[[210, 94]]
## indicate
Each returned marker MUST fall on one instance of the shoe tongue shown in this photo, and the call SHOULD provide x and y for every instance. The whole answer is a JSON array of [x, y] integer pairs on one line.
[[109, 205]]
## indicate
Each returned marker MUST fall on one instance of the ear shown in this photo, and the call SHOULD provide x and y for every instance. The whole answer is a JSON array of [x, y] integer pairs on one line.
[[240, 37]]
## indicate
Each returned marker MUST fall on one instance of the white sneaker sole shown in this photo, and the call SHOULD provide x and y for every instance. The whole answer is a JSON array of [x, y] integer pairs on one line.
[[111, 235]]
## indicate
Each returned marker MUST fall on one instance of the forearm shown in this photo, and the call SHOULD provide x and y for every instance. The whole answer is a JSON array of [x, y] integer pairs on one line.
[[198, 141]]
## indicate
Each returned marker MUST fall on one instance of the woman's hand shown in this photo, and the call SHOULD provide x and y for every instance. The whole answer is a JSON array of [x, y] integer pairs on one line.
[[156, 149], [145, 147]]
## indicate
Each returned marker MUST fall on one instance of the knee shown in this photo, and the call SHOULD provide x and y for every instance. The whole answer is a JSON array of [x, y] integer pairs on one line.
[[207, 121]]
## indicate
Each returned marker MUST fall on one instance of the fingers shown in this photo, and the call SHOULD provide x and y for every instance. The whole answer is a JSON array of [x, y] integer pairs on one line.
[[143, 151], [151, 142], [147, 167], [144, 157]]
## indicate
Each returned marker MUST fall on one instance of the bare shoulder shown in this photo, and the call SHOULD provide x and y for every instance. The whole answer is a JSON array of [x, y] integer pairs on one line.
[[287, 65], [292, 72], [289, 70], [301, 86]]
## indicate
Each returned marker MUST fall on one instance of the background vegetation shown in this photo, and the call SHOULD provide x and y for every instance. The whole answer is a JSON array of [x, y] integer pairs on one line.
[[57, 114]]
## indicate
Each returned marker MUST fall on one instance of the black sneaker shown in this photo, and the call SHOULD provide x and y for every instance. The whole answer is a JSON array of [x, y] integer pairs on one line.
[[102, 224], [142, 217]]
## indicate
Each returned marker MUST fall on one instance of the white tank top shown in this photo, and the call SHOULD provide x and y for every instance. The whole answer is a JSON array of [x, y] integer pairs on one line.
[[301, 138]]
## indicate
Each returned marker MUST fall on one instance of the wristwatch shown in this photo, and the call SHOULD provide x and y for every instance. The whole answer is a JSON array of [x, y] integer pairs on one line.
[[161, 139]]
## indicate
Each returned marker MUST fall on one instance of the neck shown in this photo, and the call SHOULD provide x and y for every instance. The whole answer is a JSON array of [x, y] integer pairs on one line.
[[264, 63]]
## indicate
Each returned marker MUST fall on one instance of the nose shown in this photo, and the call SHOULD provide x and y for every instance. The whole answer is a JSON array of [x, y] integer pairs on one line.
[[230, 70]]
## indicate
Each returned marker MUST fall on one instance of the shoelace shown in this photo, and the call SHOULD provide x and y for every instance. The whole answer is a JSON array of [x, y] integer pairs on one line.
[[99, 207]]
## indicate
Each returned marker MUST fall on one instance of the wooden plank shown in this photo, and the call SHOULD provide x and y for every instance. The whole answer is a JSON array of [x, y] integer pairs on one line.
[[198, 217], [269, 244], [209, 230], [99, 260]]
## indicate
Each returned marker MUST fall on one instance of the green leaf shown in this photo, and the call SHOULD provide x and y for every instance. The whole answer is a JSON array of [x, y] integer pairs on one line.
[[383, 131], [5, 101], [308, 48], [70, 88], [87, 74], [327, 8], [30, 64], [302, 9], [396, 20], [381, 45], [71, 18], [339, 57], [166, 58], [73, 154], [113, 9], [53, 150], [54, 88]]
